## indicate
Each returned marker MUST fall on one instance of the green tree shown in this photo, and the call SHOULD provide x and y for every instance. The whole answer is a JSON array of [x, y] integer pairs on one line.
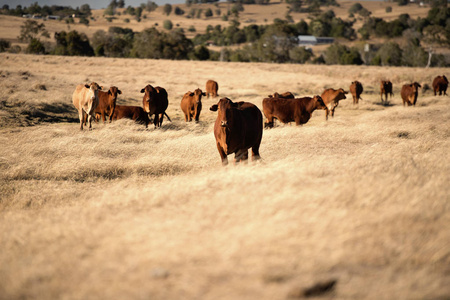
[[167, 9], [168, 24], [390, 54], [35, 46], [32, 30], [85, 9]]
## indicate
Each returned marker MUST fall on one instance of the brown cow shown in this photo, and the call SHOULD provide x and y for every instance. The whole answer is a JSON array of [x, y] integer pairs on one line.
[[356, 90], [238, 127], [85, 100], [440, 84], [291, 110], [331, 99], [191, 105], [211, 88], [136, 113], [385, 88], [106, 103], [155, 102], [409, 93], [285, 95]]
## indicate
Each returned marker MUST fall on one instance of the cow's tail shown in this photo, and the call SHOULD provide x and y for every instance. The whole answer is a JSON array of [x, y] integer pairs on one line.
[[167, 116]]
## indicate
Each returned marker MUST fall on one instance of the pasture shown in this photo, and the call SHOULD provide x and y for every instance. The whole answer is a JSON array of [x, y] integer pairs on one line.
[[125, 212]]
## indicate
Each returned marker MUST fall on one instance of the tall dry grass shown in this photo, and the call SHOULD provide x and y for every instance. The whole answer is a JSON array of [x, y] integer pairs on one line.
[[127, 212]]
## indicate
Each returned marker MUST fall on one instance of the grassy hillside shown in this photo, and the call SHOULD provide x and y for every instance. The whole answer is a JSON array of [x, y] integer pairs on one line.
[[124, 212], [252, 14]]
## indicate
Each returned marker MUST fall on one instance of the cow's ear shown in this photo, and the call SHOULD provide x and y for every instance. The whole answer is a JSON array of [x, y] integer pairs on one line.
[[87, 86], [191, 95], [203, 94], [214, 107], [143, 91], [100, 87], [109, 92], [119, 92]]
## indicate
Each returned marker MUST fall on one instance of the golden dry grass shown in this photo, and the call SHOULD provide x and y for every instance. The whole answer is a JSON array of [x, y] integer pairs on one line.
[[124, 212]]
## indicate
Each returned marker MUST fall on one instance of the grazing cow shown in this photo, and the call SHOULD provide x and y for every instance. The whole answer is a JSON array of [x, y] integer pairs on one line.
[[136, 113], [211, 88], [291, 110], [286, 95], [85, 100], [155, 102], [106, 103], [440, 84], [331, 99], [238, 127], [409, 93], [191, 105], [356, 90], [385, 88]]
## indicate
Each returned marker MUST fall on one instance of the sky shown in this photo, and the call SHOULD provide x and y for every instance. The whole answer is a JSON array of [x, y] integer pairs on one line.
[[74, 3]]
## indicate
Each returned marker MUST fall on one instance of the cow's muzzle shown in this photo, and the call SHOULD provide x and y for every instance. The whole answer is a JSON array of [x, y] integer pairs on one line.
[[224, 124]]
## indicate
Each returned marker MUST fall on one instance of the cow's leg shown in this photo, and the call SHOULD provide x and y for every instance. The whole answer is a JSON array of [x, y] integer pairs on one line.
[[241, 154], [190, 117], [255, 151], [327, 111], [332, 113], [223, 155], [161, 117], [81, 116], [90, 121], [156, 120], [103, 117]]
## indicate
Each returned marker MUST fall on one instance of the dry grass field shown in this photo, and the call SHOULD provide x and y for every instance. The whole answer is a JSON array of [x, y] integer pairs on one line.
[[125, 212]]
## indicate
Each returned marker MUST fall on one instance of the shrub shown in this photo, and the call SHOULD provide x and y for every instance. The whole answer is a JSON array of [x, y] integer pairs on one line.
[[340, 54], [4, 45], [35, 47], [191, 28], [178, 11], [355, 8], [389, 9], [167, 9], [208, 13], [168, 24], [127, 20]]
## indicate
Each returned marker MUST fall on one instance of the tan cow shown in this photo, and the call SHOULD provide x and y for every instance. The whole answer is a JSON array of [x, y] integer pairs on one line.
[[191, 105], [85, 100], [409, 93], [211, 88], [331, 99], [356, 90]]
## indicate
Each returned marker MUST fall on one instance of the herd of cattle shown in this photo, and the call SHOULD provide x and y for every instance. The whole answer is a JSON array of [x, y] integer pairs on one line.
[[239, 125]]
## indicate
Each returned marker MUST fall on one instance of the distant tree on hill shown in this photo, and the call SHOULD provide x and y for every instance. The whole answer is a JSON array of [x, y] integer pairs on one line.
[[167, 9], [151, 6], [32, 30], [121, 3]]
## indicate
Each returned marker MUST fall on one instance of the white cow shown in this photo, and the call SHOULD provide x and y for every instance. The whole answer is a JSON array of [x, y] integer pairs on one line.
[[85, 100]]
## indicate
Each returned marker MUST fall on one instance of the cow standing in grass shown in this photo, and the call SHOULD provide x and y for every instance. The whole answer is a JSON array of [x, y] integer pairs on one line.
[[331, 98], [386, 89], [409, 93], [211, 88], [191, 105], [155, 102], [440, 84], [291, 110], [356, 90], [85, 100], [107, 103], [238, 127]]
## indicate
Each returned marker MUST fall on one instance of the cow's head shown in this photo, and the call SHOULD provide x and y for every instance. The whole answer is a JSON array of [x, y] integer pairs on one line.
[[415, 87], [445, 79], [94, 88], [319, 102], [340, 95], [197, 94], [112, 98], [225, 109], [149, 96]]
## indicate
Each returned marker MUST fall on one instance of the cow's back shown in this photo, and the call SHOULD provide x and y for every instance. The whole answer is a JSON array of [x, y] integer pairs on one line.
[[134, 113], [252, 122], [79, 96]]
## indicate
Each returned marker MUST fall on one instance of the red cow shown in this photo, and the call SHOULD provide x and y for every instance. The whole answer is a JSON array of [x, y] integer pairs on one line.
[[211, 88], [385, 88], [136, 113], [409, 93], [106, 103], [285, 95], [155, 102], [238, 127], [331, 99], [191, 105], [356, 90], [291, 110], [440, 84]]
